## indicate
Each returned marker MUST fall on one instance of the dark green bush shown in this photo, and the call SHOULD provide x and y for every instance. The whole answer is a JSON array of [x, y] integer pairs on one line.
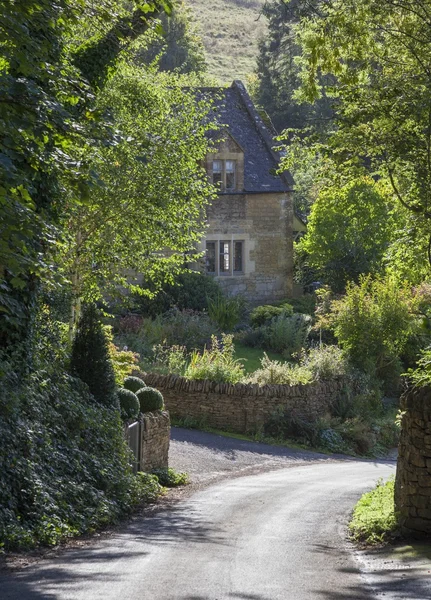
[[133, 383], [170, 478], [191, 291], [90, 357], [282, 424], [129, 404], [262, 314], [150, 399], [64, 464]]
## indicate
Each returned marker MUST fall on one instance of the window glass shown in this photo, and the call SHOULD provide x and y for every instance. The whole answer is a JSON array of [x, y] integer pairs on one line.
[[225, 257], [230, 174], [210, 257], [217, 172], [238, 257]]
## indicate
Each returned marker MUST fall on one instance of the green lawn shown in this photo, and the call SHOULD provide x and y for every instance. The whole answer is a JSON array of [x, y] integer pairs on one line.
[[253, 357]]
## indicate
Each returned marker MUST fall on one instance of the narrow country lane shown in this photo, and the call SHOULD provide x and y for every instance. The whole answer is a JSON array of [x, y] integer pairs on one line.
[[277, 535]]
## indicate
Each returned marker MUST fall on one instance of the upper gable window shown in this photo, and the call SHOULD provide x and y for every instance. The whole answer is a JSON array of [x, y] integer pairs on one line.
[[230, 172], [224, 174]]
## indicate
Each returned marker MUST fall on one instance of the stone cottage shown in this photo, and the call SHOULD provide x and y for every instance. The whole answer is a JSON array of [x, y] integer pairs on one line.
[[251, 224]]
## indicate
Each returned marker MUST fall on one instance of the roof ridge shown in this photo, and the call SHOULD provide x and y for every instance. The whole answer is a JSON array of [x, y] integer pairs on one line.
[[267, 137]]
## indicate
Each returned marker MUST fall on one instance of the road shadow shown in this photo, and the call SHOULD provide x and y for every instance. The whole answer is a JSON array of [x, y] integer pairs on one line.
[[230, 448], [42, 581], [75, 570], [391, 579]]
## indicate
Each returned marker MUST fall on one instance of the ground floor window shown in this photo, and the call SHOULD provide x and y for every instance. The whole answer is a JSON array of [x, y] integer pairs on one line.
[[225, 257]]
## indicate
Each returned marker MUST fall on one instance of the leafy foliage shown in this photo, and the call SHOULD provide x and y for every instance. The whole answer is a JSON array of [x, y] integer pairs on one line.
[[90, 357], [262, 314], [133, 383], [345, 39], [287, 335], [129, 404], [179, 48], [171, 478], [150, 399], [169, 359], [226, 311], [348, 232], [372, 323], [64, 465], [217, 363], [161, 142], [374, 518], [46, 114], [189, 291], [275, 372]]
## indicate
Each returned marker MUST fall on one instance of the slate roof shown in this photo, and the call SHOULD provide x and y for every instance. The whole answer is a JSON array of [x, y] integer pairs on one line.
[[237, 113]]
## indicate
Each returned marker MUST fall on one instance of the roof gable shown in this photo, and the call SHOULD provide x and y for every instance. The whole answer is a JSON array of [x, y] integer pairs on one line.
[[238, 116]]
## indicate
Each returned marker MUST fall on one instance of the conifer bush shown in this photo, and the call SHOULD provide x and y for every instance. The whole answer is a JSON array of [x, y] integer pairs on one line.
[[150, 399], [129, 404], [90, 357], [133, 383]]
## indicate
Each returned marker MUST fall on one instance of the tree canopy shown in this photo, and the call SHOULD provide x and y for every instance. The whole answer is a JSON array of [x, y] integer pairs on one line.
[[47, 111], [379, 53], [349, 231]]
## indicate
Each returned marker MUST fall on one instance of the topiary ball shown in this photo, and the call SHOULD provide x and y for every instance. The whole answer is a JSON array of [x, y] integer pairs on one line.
[[133, 383], [150, 399], [129, 404]]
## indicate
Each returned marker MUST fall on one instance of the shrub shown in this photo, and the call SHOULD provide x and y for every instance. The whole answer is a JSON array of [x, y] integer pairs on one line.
[[326, 362], [285, 425], [287, 335], [374, 518], [185, 328], [217, 364], [190, 291], [150, 399], [129, 404], [90, 357], [305, 305], [133, 383], [123, 361], [64, 464], [170, 478], [169, 359], [254, 338], [372, 323], [226, 312], [275, 372], [262, 314]]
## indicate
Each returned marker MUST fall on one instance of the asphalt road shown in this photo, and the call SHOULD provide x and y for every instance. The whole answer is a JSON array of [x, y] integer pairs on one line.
[[276, 535]]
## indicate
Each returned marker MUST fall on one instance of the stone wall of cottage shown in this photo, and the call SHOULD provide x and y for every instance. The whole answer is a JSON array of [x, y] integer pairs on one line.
[[413, 480], [264, 222], [155, 432], [241, 408]]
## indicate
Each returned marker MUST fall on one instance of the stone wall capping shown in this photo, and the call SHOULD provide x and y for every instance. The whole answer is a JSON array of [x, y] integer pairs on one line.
[[241, 407]]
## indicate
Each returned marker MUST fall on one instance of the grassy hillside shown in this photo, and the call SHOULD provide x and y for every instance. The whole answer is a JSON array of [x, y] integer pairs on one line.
[[230, 30]]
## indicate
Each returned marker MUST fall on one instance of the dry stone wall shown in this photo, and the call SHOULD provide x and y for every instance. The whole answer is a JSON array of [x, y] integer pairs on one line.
[[156, 431], [413, 480], [242, 407]]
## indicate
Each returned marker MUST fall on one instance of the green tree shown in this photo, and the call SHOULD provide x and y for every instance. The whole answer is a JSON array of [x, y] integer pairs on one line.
[[46, 111], [349, 231], [90, 360], [379, 53], [148, 215], [373, 323], [278, 72], [179, 46]]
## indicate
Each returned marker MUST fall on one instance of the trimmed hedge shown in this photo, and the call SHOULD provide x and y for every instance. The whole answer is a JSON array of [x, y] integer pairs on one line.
[[150, 399]]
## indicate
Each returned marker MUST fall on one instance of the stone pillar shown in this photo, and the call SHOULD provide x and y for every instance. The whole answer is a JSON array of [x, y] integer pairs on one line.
[[413, 479], [156, 432]]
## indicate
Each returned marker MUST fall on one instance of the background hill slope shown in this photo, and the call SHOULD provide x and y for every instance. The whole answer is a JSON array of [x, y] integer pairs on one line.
[[230, 31]]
